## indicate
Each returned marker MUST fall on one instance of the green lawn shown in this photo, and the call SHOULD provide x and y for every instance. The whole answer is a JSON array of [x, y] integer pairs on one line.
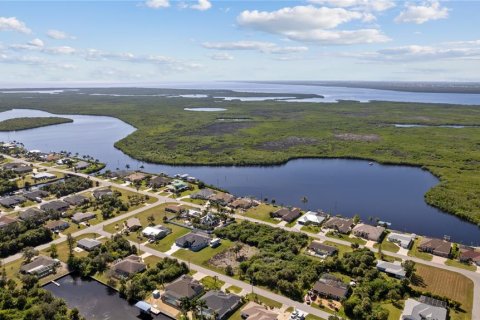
[[345, 237], [201, 258], [458, 264], [393, 312], [414, 252], [387, 245], [313, 317], [311, 229], [342, 249], [211, 283], [166, 243], [263, 300], [262, 212], [234, 289]]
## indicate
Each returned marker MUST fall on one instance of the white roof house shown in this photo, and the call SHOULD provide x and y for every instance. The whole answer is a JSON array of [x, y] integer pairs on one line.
[[404, 240], [416, 310], [394, 269], [43, 175], [312, 218], [155, 232]]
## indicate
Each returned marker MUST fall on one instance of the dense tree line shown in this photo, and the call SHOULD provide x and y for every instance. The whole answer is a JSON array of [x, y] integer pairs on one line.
[[97, 260], [18, 236], [68, 186], [142, 284], [6, 185]]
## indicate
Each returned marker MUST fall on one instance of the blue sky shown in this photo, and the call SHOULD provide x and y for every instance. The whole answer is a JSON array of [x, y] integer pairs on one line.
[[165, 40]]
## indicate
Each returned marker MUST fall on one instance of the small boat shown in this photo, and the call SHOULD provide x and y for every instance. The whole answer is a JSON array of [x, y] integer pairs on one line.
[[370, 163], [384, 223]]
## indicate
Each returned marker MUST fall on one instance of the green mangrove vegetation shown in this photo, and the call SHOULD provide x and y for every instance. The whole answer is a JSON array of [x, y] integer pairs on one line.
[[16, 124], [272, 132]]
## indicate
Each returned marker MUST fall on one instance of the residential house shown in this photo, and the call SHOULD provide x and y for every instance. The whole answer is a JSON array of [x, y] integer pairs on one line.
[[340, 225], [194, 241], [177, 186], [331, 287], [404, 240], [469, 255], [83, 216], [36, 195], [437, 247], [203, 194], [82, 165], [312, 218], [255, 311], [22, 169], [416, 310], [136, 177], [12, 165], [174, 209], [55, 206], [222, 198], [43, 176], [156, 233], [243, 203], [41, 266], [184, 287], [210, 220], [34, 214], [220, 304], [321, 249], [129, 266], [394, 269], [12, 202], [120, 174], [100, 193], [286, 214], [76, 200], [366, 231], [158, 182], [88, 244], [133, 224], [57, 225], [6, 221]]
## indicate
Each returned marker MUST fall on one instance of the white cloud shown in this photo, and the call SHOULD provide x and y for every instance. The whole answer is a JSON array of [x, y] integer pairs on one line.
[[221, 56], [157, 4], [59, 35], [265, 47], [312, 24], [368, 5], [60, 50], [36, 43], [422, 13], [202, 5], [13, 24]]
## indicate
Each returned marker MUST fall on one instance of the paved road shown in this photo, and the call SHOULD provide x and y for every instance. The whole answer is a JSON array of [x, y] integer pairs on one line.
[[474, 276]]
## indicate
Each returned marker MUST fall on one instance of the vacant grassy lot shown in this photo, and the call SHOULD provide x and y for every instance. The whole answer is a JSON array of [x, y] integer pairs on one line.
[[446, 283], [262, 212]]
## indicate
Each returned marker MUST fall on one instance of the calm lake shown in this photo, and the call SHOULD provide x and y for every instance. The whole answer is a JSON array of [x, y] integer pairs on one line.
[[338, 186], [94, 300]]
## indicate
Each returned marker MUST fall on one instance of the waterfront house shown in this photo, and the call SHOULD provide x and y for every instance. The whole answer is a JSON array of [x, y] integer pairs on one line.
[[394, 269], [286, 214], [404, 240], [222, 198], [83, 216], [88, 244], [129, 266], [41, 266], [330, 287], [55, 206], [469, 255], [183, 287], [33, 213], [36, 195], [158, 182], [100, 193], [177, 186], [321, 249], [243, 203], [82, 165], [156, 233], [194, 241], [220, 304], [6, 221], [437, 247], [136, 177], [12, 202], [133, 224], [119, 174], [429, 309], [255, 311], [57, 225], [203, 194], [76, 200], [368, 232], [340, 225], [312, 218], [43, 176]]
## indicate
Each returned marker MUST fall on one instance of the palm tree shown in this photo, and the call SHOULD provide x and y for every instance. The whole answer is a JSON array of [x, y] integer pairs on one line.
[[201, 305], [185, 305]]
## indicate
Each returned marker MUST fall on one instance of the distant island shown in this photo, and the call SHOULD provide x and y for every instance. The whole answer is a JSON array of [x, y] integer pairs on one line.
[[31, 123]]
